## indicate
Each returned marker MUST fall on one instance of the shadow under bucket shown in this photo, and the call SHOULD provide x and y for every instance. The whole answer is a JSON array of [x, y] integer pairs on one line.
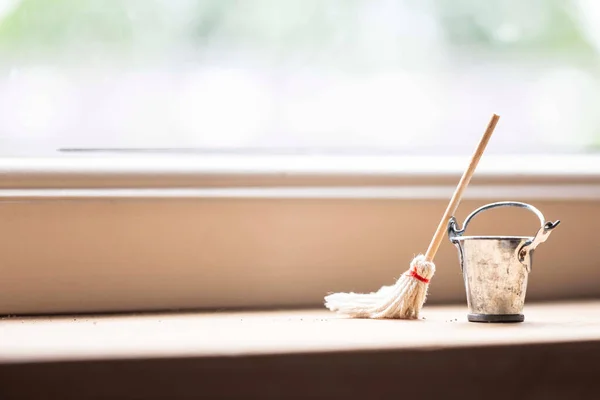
[[495, 268]]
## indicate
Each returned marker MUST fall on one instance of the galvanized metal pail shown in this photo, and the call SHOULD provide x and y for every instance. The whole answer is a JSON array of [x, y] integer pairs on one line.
[[495, 268]]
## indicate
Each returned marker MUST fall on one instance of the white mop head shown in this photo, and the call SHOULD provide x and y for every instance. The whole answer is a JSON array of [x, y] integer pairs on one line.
[[403, 300]]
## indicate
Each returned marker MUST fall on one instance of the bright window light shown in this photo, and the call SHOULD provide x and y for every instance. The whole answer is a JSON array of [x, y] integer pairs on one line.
[[362, 76]]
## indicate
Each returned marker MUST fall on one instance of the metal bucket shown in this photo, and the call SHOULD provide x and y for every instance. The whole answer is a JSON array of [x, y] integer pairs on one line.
[[495, 268]]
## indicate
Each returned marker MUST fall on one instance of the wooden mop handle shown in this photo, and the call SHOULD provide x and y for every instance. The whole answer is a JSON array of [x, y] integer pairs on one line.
[[462, 185]]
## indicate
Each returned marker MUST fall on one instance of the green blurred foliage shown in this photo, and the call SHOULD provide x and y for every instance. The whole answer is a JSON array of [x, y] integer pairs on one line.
[[332, 29], [541, 25], [60, 25]]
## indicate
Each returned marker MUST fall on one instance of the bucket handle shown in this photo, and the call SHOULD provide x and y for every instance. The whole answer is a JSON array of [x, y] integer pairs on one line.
[[527, 247]]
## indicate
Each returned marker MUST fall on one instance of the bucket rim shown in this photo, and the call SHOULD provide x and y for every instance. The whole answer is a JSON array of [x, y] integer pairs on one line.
[[482, 237]]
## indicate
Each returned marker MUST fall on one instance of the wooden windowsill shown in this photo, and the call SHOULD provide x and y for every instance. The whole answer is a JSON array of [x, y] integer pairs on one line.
[[306, 351], [63, 338]]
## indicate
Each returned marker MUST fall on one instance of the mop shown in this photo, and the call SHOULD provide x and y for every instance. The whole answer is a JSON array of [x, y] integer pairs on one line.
[[406, 297]]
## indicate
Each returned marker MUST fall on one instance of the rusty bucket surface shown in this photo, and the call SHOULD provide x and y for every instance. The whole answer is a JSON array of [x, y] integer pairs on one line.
[[496, 268]]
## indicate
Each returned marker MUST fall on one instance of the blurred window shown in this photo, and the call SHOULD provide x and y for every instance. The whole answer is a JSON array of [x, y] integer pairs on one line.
[[335, 76]]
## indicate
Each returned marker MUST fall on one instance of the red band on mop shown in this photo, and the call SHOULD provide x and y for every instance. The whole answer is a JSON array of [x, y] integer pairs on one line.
[[414, 274]]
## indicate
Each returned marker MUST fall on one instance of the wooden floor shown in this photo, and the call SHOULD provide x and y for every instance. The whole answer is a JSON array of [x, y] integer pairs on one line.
[[555, 353]]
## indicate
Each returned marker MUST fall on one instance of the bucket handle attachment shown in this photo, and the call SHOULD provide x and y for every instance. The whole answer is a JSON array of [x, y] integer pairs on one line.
[[527, 247]]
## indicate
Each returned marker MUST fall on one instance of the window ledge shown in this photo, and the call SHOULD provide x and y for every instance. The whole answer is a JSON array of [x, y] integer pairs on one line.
[[191, 334], [313, 352], [199, 171], [129, 233]]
